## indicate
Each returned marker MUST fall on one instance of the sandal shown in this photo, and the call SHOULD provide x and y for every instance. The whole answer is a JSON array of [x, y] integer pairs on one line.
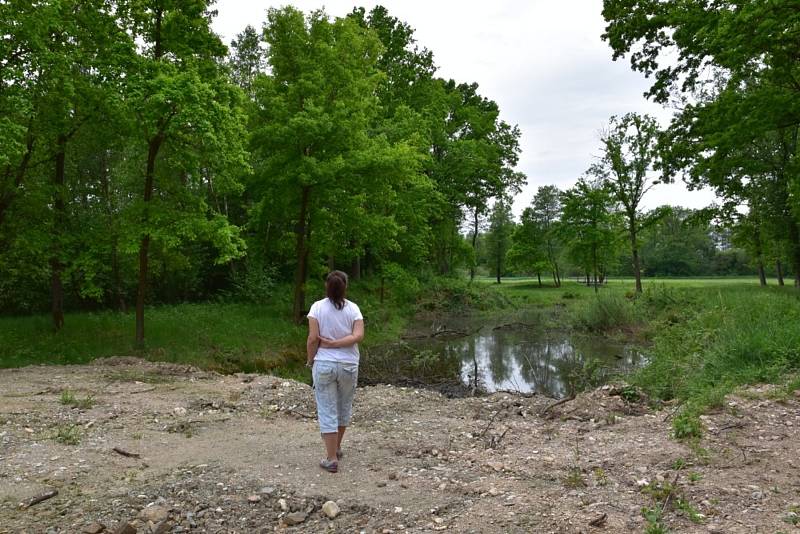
[[329, 465]]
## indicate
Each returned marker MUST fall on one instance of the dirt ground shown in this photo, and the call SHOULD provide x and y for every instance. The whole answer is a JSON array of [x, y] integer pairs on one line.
[[239, 454]]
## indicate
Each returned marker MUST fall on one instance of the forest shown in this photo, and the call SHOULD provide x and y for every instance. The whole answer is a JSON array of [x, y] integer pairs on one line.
[[144, 162]]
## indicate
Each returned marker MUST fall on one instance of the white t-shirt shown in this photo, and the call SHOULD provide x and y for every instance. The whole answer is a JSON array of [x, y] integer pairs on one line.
[[336, 324]]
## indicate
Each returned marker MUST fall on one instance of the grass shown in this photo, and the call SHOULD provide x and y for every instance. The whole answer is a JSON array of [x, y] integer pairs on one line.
[[722, 340], [223, 336]]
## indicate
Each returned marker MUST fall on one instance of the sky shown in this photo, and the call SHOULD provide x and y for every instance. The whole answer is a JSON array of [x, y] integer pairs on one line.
[[542, 61]]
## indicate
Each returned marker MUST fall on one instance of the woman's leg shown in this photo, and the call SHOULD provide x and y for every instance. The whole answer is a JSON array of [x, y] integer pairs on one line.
[[348, 377], [331, 444], [326, 393]]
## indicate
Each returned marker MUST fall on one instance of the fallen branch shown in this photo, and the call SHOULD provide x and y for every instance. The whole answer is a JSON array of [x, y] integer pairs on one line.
[[558, 403], [39, 498], [485, 430], [673, 412], [126, 453]]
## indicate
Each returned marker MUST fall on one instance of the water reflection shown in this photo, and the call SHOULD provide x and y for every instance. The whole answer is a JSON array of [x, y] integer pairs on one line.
[[549, 363]]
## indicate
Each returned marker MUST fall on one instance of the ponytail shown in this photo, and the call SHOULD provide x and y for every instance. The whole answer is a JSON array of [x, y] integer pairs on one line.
[[335, 287]]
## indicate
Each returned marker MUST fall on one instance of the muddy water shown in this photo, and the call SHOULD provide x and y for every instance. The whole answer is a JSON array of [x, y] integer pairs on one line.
[[552, 363]]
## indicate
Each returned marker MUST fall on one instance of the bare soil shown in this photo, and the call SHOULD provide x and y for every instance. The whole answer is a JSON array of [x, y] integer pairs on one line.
[[239, 453]]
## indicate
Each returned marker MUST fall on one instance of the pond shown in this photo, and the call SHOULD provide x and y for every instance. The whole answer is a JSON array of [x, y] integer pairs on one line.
[[527, 360]]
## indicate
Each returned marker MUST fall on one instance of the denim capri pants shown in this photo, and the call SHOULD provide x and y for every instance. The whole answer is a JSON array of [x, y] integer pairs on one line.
[[334, 387]]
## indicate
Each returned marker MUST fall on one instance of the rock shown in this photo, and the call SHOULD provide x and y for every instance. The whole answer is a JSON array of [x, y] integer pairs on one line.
[[180, 411], [254, 498], [267, 490], [155, 514], [94, 528], [283, 505], [125, 528], [162, 528], [295, 518], [330, 509], [398, 509], [392, 476], [381, 484]]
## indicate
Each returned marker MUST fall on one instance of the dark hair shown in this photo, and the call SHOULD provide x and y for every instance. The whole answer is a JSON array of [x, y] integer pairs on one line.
[[335, 287]]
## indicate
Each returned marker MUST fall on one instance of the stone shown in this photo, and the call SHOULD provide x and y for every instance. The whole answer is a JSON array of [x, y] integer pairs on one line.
[[254, 498], [162, 528], [125, 528], [94, 528], [283, 505], [381, 484], [295, 518], [267, 490], [155, 514], [330, 509], [392, 476]]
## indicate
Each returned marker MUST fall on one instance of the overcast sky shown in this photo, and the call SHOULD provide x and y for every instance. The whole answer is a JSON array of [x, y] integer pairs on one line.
[[542, 61]]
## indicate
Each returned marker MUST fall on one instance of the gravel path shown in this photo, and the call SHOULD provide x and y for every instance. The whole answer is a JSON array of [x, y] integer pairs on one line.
[[212, 453]]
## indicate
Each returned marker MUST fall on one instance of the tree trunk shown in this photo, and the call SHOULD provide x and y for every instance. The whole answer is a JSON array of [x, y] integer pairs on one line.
[[498, 262], [539, 276], [56, 267], [794, 239], [779, 272], [637, 270], [558, 274], [144, 246], [303, 230], [355, 268], [762, 277], [474, 246]]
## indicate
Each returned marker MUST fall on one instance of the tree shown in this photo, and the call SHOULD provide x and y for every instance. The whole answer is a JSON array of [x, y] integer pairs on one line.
[[315, 142], [590, 227], [527, 253], [187, 110], [546, 211], [498, 239], [629, 155]]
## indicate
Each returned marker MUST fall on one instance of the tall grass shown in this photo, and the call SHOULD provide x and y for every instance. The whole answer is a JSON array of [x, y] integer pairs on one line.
[[727, 338]]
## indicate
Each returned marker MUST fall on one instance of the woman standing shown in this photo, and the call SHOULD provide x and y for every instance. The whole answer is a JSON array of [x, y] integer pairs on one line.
[[335, 327]]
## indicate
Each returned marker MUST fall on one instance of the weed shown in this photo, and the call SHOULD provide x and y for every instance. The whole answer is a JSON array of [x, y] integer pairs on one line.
[[574, 478], [136, 435], [659, 491], [792, 516], [600, 477], [652, 517], [67, 398], [687, 426], [68, 434], [679, 464], [690, 511], [694, 476]]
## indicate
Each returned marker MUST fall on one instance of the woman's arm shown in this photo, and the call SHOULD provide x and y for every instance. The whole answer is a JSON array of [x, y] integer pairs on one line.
[[346, 341], [313, 341]]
